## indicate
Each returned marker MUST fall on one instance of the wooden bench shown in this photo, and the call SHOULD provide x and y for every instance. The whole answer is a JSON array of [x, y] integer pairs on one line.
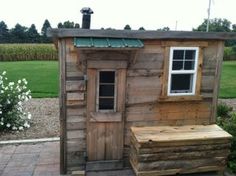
[[170, 150]]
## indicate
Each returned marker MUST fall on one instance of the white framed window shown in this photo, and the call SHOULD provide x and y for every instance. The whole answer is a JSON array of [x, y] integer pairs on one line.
[[106, 91], [182, 71]]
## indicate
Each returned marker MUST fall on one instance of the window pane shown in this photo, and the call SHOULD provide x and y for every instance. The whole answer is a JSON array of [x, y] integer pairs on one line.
[[106, 90], [190, 54], [181, 83], [177, 65], [106, 103], [107, 77], [178, 55], [189, 65]]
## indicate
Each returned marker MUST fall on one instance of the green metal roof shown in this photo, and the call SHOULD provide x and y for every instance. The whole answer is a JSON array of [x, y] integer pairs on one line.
[[92, 42]]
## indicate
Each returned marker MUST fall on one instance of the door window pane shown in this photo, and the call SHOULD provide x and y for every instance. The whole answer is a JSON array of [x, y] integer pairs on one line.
[[106, 103], [107, 76], [106, 90], [106, 94]]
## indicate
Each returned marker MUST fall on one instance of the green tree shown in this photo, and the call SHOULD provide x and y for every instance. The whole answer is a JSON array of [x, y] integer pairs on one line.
[[68, 24], [127, 27], [46, 25], [218, 25], [60, 25], [33, 35], [234, 28], [164, 29], [18, 34], [4, 32], [141, 29], [215, 25], [77, 25]]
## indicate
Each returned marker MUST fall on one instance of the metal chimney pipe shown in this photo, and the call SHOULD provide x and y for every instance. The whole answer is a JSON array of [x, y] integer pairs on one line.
[[86, 11]]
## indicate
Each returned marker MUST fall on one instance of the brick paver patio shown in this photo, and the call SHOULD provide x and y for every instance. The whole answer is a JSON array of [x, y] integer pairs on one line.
[[40, 159]]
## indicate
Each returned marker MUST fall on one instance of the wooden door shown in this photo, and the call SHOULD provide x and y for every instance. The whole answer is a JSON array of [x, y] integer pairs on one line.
[[105, 129]]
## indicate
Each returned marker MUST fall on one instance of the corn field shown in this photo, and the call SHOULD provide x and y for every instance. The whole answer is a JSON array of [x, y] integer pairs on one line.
[[22, 52]]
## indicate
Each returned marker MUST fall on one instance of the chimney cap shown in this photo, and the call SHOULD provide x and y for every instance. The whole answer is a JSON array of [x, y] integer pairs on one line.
[[86, 11]]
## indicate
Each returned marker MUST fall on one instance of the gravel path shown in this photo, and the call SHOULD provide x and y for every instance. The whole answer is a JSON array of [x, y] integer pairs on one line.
[[44, 122], [45, 119], [229, 102]]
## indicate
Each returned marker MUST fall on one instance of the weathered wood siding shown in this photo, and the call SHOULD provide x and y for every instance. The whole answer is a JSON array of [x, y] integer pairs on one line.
[[75, 109], [144, 87], [178, 150], [145, 82]]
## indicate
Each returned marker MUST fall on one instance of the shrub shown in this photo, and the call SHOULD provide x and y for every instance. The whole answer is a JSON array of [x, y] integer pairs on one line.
[[12, 96], [230, 127], [227, 120], [230, 53], [223, 110]]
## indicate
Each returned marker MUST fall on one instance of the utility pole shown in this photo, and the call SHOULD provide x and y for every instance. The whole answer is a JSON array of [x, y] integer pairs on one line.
[[209, 13], [176, 25]]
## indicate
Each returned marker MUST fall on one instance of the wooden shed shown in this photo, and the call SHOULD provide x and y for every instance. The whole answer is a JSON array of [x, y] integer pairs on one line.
[[144, 100]]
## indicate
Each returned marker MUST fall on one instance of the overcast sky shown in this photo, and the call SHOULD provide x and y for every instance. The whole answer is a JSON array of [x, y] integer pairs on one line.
[[151, 14]]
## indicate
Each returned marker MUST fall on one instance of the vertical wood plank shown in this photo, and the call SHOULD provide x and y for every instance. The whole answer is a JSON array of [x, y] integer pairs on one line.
[[219, 59], [99, 140], [62, 102], [165, 72], [121, 95], [121, 89], [111, 139], [91, 106], [199, 72]]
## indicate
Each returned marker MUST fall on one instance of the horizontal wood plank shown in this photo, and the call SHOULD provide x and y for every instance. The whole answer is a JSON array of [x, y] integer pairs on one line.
[[75, 96], [207, 82], [143, 72], [148, 61], [179, 156], [195, 43], [104, 165], [76, 111], [105, 117], [76, 85], [104, 55], [189, 148], [75, 103], [74, 145], [142, 89], [75, 158], [108, 64], [181, 133], [182, 164], [75, 134]]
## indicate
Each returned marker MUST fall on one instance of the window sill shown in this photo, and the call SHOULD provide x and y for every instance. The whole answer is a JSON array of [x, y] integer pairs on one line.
[[105, 117], [180, 98]]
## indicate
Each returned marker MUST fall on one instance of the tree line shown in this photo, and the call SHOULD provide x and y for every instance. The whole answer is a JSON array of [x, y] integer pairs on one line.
[[22, 34]]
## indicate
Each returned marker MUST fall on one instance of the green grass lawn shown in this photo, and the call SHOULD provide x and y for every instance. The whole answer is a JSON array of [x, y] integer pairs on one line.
[[42, 76], [228, 80]]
